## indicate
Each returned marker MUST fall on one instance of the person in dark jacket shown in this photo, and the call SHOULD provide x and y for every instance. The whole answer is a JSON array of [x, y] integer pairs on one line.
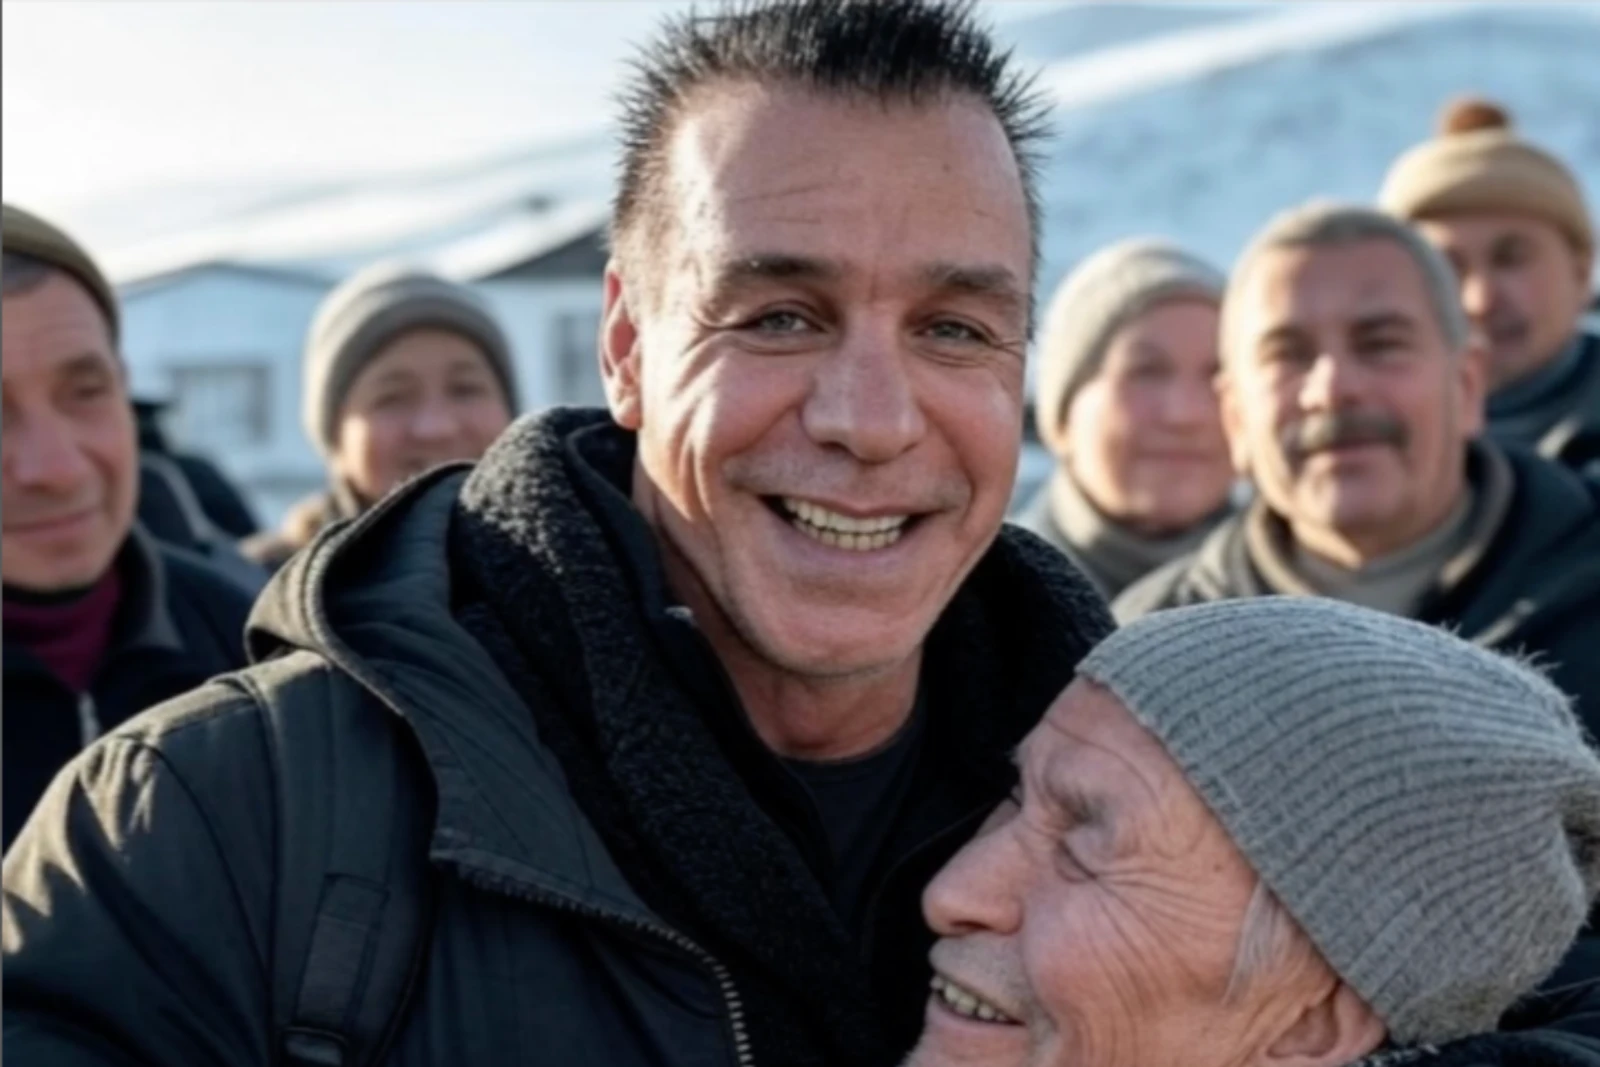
[[1511, 218], [219, 499], [100, 621], [1303, 831], [1125, 404], [403, 371], [170, 509]]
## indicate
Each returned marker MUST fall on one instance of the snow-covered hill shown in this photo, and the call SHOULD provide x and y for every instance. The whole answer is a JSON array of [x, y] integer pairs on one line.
[[1204, 159], [1194, 121]]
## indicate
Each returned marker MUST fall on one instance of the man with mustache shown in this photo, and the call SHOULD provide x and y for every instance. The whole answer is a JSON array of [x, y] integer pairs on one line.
[[671, 709], [101, 620], [1512, 220], [1352, 395]]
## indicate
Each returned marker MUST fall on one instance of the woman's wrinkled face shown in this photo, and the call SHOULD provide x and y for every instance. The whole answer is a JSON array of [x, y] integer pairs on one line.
[[1094, 920], [428, 397], [1143, 438]]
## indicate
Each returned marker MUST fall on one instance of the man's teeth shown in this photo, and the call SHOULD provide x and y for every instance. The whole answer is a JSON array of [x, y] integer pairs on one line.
[[967, 1004], [843, 531]]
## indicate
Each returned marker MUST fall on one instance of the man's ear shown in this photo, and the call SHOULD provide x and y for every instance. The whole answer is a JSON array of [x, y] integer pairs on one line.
[[1473, 383], [1339, 1028], [1583, 263], [1232, 424], [619, 352]]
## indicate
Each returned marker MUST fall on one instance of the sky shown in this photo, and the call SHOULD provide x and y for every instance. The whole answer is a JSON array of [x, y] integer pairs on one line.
[[107, 99]]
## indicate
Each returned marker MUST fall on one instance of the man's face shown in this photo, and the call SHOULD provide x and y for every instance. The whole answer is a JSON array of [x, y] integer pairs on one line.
[[1342, 399], [70, 452], [1096, 923], [1523, 285], [1143, 437], [825, 368], [429, 397]]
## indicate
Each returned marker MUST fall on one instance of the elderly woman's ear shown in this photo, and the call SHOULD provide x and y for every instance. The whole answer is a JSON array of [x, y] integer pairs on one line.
[[1339, 1028]]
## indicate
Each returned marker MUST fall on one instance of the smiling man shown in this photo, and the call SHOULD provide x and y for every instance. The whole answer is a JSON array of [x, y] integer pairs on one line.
[[101, 621], [1352, 395], [1512, 220], [1281, 832], [683, 702]]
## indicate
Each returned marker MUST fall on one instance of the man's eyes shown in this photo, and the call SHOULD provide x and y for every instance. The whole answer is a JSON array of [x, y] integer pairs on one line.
[[960, 332], [780, 322], [88, 388], [1513, 255], [786, 322], [1287, 356]]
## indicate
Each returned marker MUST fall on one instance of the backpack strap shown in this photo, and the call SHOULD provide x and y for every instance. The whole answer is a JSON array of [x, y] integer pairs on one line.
[[354, 891]]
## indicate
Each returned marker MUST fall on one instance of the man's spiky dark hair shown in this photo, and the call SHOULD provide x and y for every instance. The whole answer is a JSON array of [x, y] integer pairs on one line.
[[908, 51]]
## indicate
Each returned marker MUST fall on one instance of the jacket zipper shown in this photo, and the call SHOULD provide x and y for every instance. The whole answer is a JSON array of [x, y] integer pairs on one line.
[[88, 719], [731, 1000], [340, 654]]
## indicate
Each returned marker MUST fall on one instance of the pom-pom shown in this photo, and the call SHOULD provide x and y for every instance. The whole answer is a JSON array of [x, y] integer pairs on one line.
[[1473, 113]]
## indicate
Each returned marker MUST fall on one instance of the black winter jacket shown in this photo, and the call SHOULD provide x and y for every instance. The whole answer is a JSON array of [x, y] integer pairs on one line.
[[180, 622], [158, 847], [1568, 422], [1535, 588]]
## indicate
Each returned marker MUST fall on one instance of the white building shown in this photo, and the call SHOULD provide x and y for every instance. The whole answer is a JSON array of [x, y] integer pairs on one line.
[[216, 316]]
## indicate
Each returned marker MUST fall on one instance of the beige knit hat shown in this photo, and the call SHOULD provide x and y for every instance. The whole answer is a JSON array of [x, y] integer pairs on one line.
[[27, 233], [1477, 163], [1102, 294]]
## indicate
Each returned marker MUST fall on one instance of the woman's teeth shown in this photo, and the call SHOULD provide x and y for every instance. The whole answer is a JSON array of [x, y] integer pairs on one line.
[[968, 1004], [843, 531]]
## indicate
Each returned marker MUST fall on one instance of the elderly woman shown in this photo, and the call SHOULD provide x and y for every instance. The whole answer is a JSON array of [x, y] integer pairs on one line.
[[403, 371], [1125, 404], [1264, 833]]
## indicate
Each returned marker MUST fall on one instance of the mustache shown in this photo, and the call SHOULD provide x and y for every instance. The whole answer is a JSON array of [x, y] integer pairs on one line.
[[1316, 433]]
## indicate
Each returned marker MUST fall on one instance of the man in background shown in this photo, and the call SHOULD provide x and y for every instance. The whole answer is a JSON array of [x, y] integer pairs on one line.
[[1352, 395], [101, 621], [1512, 220]]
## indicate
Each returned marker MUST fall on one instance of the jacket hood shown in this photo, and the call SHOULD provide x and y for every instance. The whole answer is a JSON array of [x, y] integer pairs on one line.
[[373, 599]]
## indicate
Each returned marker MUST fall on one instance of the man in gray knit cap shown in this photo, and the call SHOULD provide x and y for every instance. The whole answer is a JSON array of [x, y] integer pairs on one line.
[[403, 371], [1125, 403], [1270, 832]]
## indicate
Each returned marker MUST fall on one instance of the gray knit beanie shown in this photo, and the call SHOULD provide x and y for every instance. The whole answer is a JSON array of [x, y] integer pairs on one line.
[[372, 308], [1427, 810], [1105, 292]]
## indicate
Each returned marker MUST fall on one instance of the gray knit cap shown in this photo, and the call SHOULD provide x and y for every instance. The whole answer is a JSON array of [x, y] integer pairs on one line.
[[372, 308], [1427, 810], [1107, 290]]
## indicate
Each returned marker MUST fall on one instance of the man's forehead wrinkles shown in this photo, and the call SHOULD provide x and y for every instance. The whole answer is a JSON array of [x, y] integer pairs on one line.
[[802, 189], [1079, 745]]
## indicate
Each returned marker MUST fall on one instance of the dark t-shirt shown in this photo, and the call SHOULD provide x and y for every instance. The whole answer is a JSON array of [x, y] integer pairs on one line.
[[857, 801]]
